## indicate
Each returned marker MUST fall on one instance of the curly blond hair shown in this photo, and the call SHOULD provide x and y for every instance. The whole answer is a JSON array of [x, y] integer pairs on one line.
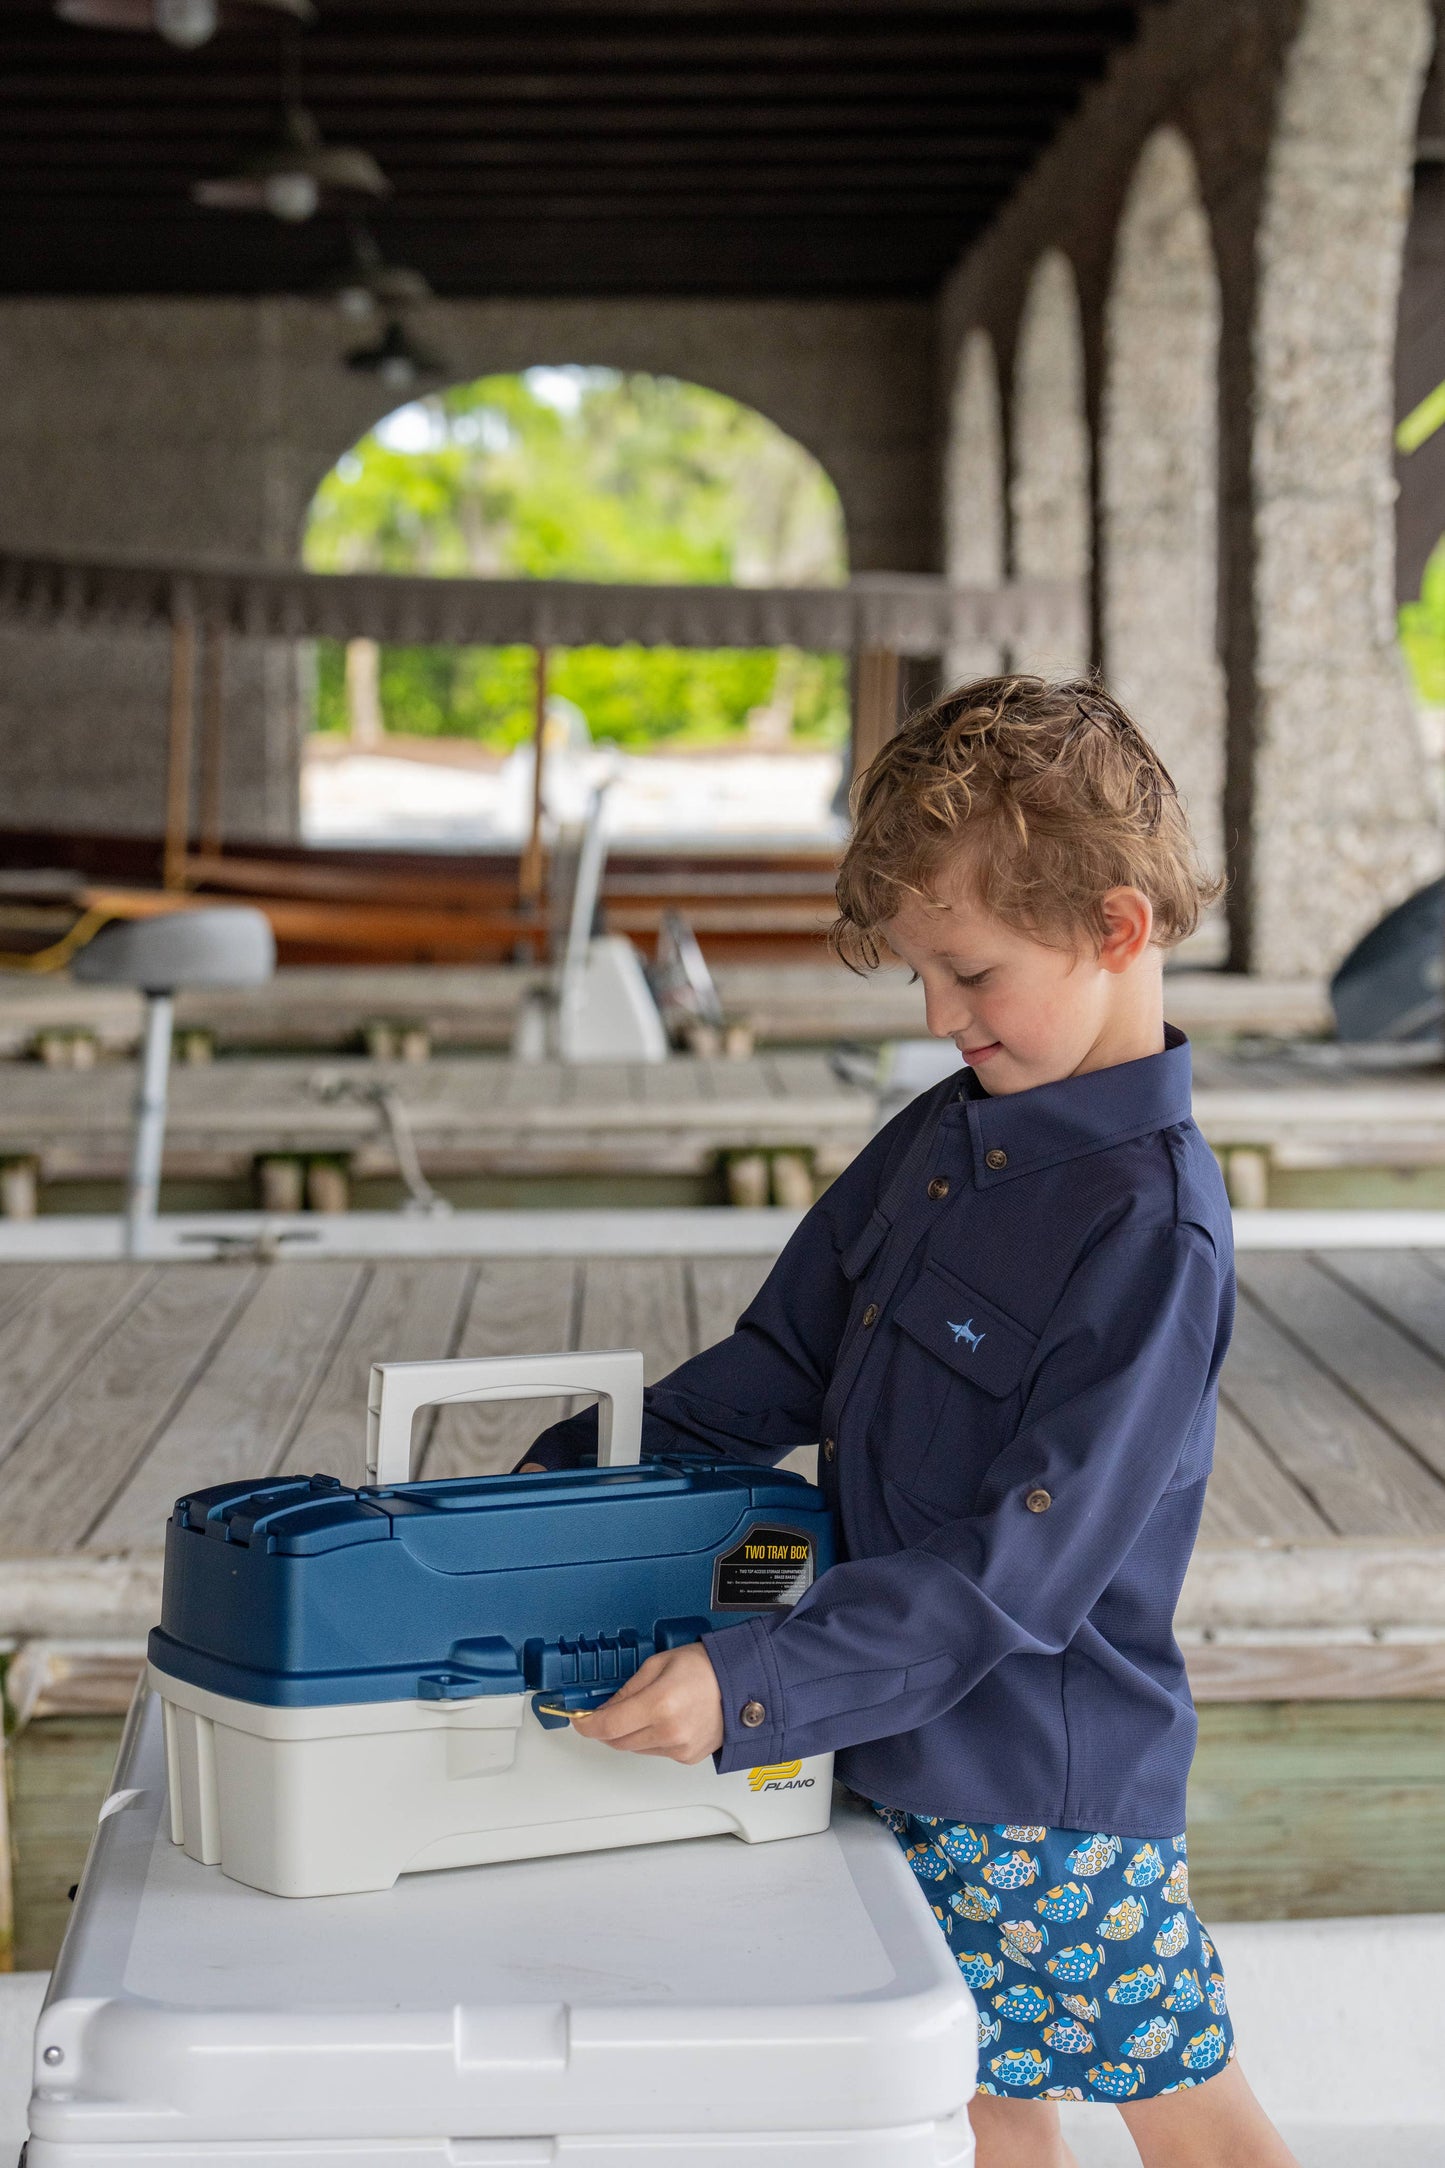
[[1044, 795]]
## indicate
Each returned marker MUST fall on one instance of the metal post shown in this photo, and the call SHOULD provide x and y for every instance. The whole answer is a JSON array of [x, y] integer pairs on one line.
[[529, 873], [150, 1124], [213, 732], [178, 762]]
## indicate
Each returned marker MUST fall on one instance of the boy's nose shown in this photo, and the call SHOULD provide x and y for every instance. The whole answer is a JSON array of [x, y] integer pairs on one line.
[[945, 1015]]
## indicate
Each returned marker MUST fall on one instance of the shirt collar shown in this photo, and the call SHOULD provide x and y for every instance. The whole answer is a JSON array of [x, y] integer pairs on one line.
[[1023, 1132]]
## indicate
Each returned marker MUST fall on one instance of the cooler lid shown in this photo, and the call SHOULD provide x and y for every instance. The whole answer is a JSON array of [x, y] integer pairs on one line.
[[700, 1986]]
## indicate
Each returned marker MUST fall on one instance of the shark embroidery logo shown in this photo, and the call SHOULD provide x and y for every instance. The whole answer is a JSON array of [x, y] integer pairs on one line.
[[966, 1332]]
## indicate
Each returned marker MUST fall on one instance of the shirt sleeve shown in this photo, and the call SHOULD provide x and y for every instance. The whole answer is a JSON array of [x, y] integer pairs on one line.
[[1120, 1381], [758, 1393]]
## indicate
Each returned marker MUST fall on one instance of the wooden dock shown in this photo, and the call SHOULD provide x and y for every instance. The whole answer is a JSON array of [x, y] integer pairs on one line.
[[1313, 1618], [479, 1115], [1320, 1573], [332, 1008]]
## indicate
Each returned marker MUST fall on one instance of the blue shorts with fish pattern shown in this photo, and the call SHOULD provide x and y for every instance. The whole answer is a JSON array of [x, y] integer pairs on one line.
[[1093, 1976]]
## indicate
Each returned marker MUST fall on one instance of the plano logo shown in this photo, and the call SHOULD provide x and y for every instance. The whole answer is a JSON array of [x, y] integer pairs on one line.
[[783, 1776], [966, 1332]]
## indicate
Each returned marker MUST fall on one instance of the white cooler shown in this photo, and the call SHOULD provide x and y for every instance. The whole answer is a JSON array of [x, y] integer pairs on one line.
[[673, 2006]]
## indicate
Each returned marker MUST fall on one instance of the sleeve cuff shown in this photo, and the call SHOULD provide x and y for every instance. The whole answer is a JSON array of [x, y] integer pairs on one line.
[[748, 1679]]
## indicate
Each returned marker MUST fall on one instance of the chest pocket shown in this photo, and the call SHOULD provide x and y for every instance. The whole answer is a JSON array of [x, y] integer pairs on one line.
[[966, 1331], [959, 1367]]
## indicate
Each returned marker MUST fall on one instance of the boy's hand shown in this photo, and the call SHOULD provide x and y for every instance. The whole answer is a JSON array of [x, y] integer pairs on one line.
[[533, 1467], [671, 1707]]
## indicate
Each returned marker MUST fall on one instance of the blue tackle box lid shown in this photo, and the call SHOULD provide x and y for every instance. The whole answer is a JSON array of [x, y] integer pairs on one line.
[[299, 1591]]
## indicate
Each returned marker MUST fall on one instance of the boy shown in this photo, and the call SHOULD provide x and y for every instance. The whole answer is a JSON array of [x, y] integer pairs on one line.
[[1005, 1323]]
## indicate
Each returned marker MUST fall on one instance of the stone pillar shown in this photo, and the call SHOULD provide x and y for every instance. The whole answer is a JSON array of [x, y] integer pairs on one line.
[[1334, 825], [1160, 479], [974, 498], [1049, 484]]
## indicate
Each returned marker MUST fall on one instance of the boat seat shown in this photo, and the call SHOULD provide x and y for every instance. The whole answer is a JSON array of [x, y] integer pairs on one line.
[[230, 946]]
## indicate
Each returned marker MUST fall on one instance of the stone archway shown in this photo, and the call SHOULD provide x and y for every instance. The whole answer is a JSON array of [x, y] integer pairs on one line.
[[974, 497], [1160, 479], [1333, 817], [1049, 484]]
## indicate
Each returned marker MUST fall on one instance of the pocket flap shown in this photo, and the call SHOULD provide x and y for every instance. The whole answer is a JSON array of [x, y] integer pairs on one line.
[[966, 1331]]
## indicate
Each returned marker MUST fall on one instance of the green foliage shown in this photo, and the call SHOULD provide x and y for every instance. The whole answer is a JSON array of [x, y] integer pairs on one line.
[[1422, 631], [584, 474]]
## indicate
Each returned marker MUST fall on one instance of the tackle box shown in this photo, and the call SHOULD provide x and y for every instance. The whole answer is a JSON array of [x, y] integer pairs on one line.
[[364, 1682]]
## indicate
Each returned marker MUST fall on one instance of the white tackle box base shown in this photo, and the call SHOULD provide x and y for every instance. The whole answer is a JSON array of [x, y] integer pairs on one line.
[[316, 1802], [678, 2006]]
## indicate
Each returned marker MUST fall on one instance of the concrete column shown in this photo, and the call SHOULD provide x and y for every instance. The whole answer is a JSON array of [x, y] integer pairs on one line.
[[974, 497], [1160, 479], [1334, 824], [1049, 483]]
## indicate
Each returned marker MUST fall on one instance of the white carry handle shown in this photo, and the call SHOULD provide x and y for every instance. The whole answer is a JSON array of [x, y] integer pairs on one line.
[[398, 1390]]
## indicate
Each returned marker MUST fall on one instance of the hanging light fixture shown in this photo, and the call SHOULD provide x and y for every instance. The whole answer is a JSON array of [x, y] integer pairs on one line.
[[296, 174], [186, 23], [370, 286], [396, 360]]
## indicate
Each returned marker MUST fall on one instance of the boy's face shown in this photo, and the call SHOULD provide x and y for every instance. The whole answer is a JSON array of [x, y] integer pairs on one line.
[[1020, 1012]]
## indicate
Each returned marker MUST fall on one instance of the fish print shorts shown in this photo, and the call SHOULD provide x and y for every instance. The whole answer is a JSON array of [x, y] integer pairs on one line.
[[1093, 1977]]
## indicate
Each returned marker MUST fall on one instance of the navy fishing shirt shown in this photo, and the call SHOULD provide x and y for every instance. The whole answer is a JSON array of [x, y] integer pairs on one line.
[[1030, 1298]]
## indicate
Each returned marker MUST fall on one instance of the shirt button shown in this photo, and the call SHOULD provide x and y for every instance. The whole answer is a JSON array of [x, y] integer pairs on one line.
[[870, 1315], [995, 1159], [753, 1713], [938, 1187], [829, 1449], [1038, 1501]]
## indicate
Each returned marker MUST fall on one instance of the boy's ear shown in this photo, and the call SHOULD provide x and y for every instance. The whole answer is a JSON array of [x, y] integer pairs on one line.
[[1129, 928]]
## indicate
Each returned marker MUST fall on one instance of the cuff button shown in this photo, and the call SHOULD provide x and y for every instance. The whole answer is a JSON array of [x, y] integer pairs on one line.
[[1038, 1501], [753, 1713]]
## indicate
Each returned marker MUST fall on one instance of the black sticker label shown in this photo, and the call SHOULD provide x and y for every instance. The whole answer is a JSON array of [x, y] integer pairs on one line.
[[767, 1571]]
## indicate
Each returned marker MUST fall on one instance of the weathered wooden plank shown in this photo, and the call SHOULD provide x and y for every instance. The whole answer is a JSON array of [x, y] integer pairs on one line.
[[44, 1343], [1362, 1479], [637, 1302], [60, 1477], [722, 1288], [239, 1417], [519, 1305], [666, 1083], [806, 1076], [730, 1081], [589, 1084], [1250, 1498], [407, 1312], [1313, 1809], [1408, 1286], [61, 1773], [1403, 1387], [20, 1284], [525, 1084], [1316, 1671]]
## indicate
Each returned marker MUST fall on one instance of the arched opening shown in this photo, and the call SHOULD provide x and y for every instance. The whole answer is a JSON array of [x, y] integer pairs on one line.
[[577, 473], [1049, 485], [1334, 815], [1159, 479], [974, 497]]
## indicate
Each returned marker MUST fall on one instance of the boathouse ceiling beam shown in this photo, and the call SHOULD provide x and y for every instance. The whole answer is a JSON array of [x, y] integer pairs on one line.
[[563, 147]]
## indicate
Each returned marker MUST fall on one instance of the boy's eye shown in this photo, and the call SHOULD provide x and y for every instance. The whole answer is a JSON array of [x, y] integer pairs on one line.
[[970, 978]]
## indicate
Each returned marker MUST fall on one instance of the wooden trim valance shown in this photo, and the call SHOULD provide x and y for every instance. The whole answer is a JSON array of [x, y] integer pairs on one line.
[[902, 613]]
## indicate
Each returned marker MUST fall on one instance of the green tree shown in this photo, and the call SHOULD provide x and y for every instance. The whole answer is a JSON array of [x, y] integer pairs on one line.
[[584, 474], [1422, 631]]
